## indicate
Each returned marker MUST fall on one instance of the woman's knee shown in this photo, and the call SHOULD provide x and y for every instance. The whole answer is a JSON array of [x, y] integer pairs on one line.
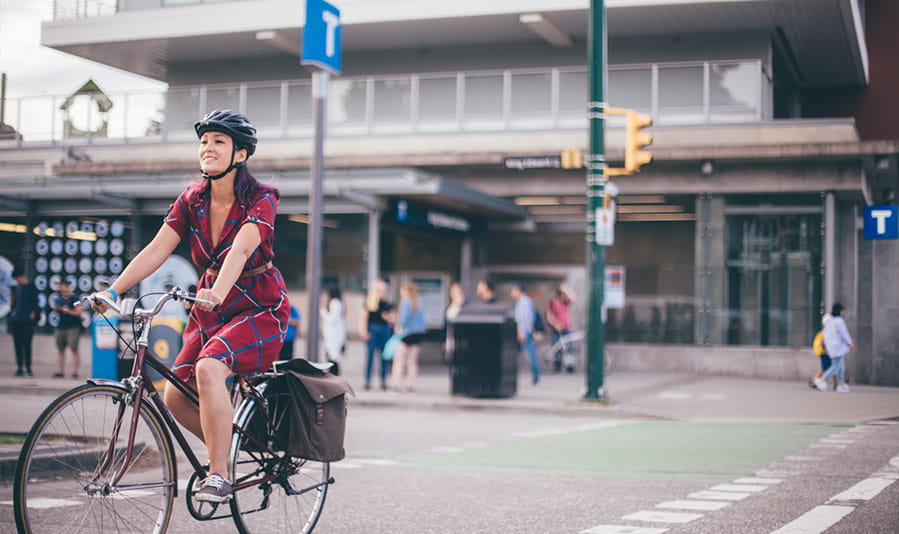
[[211, 373]]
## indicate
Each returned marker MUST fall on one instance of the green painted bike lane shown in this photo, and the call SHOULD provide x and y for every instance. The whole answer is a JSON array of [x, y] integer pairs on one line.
[[678, 451]]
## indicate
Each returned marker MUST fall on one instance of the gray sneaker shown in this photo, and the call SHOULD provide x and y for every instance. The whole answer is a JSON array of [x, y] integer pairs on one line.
[[215, 489]]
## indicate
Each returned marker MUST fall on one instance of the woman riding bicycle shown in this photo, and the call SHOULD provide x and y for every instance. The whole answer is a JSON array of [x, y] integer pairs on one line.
[[228, 219]]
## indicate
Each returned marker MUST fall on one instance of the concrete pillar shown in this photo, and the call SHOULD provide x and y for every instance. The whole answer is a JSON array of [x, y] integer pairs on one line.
[[374, 245], [830, 250], [709, 266], [465, 262]]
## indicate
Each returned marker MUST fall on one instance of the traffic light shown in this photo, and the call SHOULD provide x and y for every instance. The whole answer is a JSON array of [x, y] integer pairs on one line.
[[572, 158], [635, 140]]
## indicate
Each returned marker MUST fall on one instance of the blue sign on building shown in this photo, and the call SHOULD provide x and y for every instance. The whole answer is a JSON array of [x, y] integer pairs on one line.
[[882, 222], [321, 36]]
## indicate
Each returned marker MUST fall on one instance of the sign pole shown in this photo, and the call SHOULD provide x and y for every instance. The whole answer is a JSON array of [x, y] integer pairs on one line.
[[314, 233], [321, 48], [596, 182]]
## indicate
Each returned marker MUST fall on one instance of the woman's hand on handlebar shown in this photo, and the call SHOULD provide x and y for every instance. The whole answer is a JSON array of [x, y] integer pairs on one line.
[[205, 297], [97, 304]]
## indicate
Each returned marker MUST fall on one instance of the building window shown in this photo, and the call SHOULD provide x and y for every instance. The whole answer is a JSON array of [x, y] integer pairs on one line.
[[773, 280]]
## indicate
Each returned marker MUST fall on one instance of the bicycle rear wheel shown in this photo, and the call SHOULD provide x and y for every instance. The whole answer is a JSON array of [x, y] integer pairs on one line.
[[293, 499], [55, 490]]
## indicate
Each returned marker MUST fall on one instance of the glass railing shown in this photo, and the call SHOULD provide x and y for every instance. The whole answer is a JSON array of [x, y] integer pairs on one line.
[[458, 102], [63, 10]]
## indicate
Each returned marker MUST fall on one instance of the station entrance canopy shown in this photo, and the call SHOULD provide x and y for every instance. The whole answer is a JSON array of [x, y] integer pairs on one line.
[[345, 191]]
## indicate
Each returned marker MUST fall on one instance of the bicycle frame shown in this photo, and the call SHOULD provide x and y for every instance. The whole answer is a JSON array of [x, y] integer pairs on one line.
[[138, 385]]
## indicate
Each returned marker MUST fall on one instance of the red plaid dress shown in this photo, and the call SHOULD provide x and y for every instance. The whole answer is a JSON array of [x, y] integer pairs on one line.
[[245, 331]]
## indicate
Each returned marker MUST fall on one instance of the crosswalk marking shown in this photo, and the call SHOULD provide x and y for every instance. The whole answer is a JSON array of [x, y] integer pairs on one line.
[[654, 516], [758, 480], [718, 495], [748, 488], [820, 518], [622, 529], [707, 506]]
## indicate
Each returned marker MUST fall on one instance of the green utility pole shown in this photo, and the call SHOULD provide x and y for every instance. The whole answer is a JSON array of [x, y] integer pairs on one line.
[[596, 182]]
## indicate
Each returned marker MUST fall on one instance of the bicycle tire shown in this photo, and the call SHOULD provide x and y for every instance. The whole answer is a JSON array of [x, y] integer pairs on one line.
[[66, 444], [286, 513]]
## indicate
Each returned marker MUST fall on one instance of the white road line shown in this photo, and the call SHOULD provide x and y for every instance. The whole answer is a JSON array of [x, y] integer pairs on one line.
[[45, 503], [375, 461], [886, 423], [622, 529], [674, 395], [826, 446], [820, 518], [864, 490], [816, 520], [705, 506], [758, 480], [838, 441], [748, 488], [654, 516], [801, 459], [446, 449], [718, 495]]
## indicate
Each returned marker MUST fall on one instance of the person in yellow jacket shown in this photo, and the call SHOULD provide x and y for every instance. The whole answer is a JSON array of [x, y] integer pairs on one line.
[[821, 351]]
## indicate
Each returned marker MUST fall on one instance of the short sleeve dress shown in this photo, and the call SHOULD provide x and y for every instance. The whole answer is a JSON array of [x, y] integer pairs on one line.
[[247, 330]]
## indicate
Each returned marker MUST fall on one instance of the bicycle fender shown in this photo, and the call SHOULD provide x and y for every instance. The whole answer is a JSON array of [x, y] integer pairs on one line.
[[105, 382]]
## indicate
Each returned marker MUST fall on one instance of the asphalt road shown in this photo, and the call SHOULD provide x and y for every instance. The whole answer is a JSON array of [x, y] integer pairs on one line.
[[414, 470]]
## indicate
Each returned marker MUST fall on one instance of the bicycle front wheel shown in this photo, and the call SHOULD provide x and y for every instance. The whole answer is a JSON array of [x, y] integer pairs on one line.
[[59, 484], [284, 493]]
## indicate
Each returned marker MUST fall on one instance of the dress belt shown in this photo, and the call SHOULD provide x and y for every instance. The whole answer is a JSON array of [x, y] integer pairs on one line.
[[249, 272]]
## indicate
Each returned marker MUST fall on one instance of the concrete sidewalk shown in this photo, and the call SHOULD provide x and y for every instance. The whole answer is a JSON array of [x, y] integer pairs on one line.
[[631, 395]]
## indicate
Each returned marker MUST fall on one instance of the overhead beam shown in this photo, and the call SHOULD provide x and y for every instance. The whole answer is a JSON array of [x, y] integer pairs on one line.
[[546, 29]]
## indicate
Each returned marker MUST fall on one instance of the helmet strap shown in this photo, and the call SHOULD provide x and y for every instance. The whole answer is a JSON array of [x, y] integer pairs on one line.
[[231, 167]]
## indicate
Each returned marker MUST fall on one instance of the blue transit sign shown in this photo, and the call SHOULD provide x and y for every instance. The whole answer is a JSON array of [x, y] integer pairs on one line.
[[321, 36], [882, 222]]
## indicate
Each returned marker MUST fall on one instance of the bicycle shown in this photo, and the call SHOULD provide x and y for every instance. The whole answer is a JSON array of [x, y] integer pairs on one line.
[[565, 352], [106, 446]]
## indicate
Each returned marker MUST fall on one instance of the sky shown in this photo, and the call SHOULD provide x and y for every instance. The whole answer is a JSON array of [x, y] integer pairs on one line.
[[32, 69]]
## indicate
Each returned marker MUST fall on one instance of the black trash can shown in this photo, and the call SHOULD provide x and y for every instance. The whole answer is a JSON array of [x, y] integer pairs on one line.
[[484, 359]]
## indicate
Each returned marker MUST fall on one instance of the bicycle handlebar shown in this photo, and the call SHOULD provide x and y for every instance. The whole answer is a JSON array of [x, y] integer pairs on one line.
[[176, 293]]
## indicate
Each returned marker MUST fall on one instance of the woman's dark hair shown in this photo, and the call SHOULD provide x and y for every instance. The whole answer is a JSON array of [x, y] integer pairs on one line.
[[334, 292], [246, 186], [836, 309]]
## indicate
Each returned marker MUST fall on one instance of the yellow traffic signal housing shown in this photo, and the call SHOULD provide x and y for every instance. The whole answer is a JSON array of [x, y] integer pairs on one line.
[[572, 158], [635, 140]]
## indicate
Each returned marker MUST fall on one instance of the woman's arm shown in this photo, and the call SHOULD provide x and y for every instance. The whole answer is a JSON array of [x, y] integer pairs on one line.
[[247, 240], [145, 263]]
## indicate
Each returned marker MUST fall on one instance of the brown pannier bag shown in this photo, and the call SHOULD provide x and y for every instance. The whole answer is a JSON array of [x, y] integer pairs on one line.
[[314, 405]]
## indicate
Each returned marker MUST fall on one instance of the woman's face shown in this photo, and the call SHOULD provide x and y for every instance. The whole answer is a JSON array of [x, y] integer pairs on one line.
[[215, 152], [382, 287]]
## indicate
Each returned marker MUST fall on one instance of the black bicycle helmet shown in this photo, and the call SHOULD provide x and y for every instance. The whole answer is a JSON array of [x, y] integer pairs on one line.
[[234, 124], [231, 123]]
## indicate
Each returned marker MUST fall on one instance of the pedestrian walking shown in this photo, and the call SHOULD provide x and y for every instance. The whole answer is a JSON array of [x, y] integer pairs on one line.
[[333, 316], [375, 329], [559, 321], [22, 318], [820, 350], [838, 343], [68, 330], [525, 314], [486, 292], [410, 325], [293, 328], [238, 327], [456, 302]]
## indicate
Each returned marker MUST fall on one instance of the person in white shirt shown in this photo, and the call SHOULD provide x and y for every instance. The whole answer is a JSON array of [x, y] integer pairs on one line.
[[334, 328], [838, 343]]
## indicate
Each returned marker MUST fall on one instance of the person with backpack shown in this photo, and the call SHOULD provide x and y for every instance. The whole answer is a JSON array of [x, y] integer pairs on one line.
[[820, 350], [837, 343]]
